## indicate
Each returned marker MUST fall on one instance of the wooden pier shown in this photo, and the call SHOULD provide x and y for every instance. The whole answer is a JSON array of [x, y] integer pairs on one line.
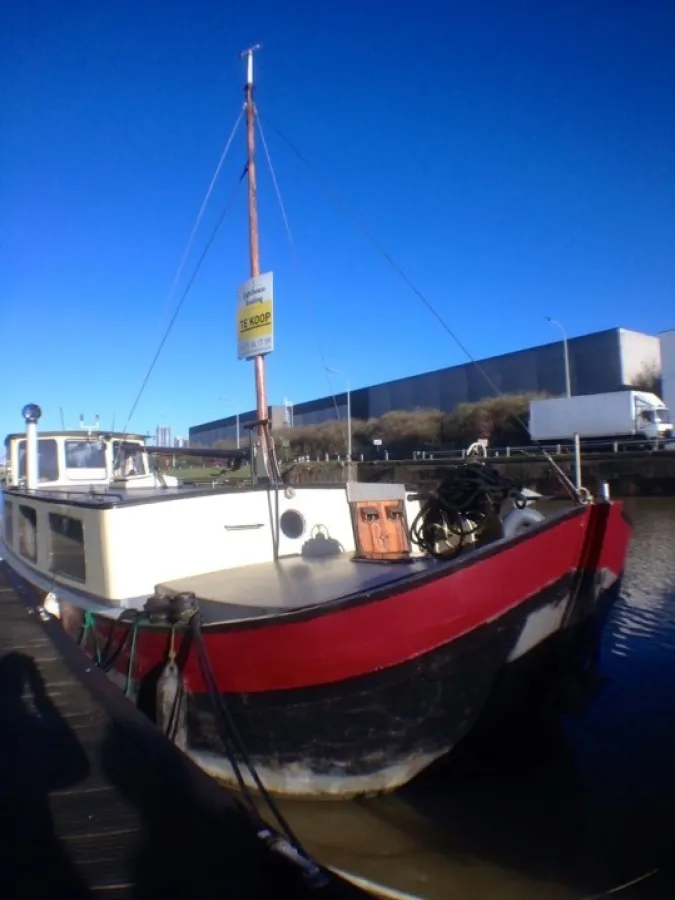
[[96, 803]]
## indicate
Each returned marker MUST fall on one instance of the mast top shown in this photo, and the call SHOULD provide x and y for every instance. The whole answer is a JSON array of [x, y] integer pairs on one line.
[[249, 62]]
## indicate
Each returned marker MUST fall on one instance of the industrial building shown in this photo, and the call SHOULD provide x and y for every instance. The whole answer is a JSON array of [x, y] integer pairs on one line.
[[602, 361], [667, 339]]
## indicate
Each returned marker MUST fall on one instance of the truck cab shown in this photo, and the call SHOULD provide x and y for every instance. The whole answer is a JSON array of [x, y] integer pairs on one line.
[[652, 417]]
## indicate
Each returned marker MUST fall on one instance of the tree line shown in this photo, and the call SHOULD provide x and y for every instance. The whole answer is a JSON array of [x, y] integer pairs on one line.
[[501, 420]]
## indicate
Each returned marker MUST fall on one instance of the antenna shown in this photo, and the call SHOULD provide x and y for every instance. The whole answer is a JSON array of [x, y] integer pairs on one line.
[[249, 62], [90, 428], [63, 423]]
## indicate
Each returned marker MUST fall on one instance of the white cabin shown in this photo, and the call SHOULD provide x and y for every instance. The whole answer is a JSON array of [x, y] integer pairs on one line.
[[86, 520], [71, 460], [86, 523]]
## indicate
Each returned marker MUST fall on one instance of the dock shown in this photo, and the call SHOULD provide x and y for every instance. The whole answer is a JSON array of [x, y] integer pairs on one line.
[[95, 802]]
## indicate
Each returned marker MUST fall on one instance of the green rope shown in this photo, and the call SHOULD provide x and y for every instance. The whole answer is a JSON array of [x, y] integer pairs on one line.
[[132, 656], [89, 626]]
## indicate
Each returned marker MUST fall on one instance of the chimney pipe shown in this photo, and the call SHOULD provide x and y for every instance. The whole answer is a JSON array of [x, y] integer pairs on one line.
[[31, 413]]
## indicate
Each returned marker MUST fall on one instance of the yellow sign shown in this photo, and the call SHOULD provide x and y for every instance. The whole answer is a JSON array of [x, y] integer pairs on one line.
[[255, 321], [255, 317]]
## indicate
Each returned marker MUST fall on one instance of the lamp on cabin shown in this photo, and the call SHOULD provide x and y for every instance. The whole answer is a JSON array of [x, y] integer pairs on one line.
[[31, 413]]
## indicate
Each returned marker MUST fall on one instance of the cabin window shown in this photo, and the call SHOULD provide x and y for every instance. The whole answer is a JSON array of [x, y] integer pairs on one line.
[[8, 522], [128, 460], [66, 545], [85, 460], [28, 532], [48, 461]]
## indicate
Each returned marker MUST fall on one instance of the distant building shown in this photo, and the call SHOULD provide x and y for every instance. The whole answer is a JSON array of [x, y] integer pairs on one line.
[[163, 436], [225, 430], [181, 441], [602, 361], [288, 413], [668, 369]]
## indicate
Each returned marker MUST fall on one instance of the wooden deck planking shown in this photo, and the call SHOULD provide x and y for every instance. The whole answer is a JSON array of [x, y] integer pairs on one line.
[[95, 802]]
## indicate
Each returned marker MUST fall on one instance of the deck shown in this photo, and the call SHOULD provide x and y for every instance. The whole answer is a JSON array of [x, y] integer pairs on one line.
[[95, 802], [296, 582]]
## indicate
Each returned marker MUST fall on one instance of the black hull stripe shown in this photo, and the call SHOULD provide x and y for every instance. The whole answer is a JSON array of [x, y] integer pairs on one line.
[[363, 724]]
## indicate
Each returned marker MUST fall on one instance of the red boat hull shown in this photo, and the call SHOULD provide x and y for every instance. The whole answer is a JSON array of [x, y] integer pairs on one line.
[[358, 695]]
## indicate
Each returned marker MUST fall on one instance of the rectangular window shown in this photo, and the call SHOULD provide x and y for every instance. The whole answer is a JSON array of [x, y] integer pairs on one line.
[[85, 460], [8, 520], [28, 532], [48, 460], [128, 459], [85, 455], [66, 546]]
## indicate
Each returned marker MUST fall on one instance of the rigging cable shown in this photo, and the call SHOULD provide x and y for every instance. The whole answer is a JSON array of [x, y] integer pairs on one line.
[[566, 481], [202, 210], [181, 264], [296, 259], [287, 843], [172, 321]]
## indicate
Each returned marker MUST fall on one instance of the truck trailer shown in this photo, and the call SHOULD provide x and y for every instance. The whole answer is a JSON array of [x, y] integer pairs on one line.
[[615, 414]]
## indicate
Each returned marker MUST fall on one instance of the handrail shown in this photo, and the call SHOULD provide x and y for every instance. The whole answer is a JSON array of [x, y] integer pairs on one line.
[[591, 448]]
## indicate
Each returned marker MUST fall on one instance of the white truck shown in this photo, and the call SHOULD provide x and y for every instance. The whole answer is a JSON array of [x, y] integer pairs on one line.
[[614, 415]]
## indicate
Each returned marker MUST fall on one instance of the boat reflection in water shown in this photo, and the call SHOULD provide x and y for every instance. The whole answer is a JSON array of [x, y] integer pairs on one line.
[[511, 794], [573, 797]]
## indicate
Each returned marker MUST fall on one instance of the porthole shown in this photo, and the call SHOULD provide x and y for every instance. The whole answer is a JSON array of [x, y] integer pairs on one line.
[[292, 524]]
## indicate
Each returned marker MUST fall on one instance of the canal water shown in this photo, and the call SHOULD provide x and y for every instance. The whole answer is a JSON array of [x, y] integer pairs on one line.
[[564, 806]]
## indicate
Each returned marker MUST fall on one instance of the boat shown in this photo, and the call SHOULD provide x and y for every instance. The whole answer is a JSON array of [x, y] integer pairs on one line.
[[71, 460], [331, 640]]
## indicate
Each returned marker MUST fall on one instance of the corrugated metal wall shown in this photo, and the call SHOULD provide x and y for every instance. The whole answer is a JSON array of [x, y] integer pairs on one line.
[[595, 366], [667, 342], [603, 361], [640, 353]]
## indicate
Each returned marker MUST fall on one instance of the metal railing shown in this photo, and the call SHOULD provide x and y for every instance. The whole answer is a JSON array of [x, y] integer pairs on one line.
[[590, 447]]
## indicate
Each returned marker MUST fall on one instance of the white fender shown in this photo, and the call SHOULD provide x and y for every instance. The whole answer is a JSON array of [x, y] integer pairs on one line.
[[519, 520]]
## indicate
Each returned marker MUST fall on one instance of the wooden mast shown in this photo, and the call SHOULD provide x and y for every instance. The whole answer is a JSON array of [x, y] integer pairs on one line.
[[254, 247]]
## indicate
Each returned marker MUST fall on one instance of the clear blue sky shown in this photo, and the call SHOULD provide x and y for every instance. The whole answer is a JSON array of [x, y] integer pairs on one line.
[[517, 159]]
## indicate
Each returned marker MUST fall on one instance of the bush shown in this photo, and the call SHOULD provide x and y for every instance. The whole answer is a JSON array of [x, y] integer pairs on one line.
[[406, 431], [502, 420], [317, 440]]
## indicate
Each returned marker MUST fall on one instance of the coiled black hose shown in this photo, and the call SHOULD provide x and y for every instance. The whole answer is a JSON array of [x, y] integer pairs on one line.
[[461, 505]]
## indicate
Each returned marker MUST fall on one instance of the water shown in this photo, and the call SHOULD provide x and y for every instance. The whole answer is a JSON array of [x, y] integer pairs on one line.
[[559, 807], [564, 808]]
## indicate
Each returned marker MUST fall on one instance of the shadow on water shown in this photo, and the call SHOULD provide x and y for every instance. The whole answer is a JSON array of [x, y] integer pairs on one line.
[[197, 840], [190, 846], [503, 816], [39, 754]]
